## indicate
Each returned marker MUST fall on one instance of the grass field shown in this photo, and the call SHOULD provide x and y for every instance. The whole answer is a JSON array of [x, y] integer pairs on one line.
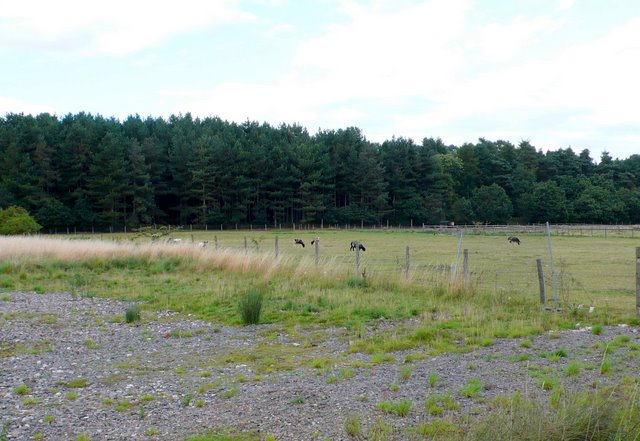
[[382, 310], [500, 299]]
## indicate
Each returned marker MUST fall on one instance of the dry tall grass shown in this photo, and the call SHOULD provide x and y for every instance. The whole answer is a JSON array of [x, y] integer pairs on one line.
[[262, 263]]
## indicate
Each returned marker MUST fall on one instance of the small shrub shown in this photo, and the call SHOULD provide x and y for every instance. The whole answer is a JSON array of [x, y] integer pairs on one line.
[[548, 382], [132, 314], [231, 392], [251, 306], [596, 329], [472, 388], [77, 383], [433, 379], [379, 431], [573, 369], [400, 408], [186, 400], [346, 373], [22, 389], [437, 429], [123, 406], [29, 401], [352, 426], [403, 407], [405, 373]]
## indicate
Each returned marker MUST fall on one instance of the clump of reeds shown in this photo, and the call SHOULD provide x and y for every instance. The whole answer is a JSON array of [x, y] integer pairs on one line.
[[250, 306]]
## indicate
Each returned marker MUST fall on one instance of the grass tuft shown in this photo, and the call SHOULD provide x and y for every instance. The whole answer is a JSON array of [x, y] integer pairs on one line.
[[251, 306], [132, 314]]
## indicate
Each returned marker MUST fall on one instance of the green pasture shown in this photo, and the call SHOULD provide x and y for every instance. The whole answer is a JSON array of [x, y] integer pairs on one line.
[[594, 271], [434, 307]]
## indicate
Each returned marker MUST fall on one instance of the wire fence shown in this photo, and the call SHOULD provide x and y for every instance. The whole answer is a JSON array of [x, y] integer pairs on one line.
[[575, 268], [584, 271]]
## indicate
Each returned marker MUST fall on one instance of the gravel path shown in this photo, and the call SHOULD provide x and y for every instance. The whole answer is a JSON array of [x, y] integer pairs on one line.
[[71, 366]]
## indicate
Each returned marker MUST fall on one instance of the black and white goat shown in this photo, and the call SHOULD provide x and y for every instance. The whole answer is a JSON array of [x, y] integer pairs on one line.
[[357, 245]]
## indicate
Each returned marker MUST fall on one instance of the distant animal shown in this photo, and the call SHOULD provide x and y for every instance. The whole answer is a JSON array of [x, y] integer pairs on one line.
[[174, 241], [317, 239], [358, 245], [203, 244], [513, 239], [298, 242]]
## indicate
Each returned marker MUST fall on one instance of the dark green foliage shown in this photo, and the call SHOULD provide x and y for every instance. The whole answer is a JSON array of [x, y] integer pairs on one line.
[[132, 314], [491, 204], [250, 306], [609, 414], [16, 220], [87, 172]]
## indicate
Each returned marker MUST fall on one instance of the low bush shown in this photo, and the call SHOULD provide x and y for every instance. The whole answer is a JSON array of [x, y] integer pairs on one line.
[[251, 306]]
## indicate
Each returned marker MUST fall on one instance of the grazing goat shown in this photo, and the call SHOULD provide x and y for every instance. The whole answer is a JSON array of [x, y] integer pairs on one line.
[[513, 239], [317, 239], [298, 242], [174, 241], [358, 245], [203, 244]]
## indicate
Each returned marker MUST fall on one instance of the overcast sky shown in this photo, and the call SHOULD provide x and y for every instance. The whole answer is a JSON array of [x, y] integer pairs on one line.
[[558, 73]]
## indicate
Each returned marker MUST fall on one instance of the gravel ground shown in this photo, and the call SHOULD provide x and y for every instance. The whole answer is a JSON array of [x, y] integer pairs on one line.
[[171, 376]]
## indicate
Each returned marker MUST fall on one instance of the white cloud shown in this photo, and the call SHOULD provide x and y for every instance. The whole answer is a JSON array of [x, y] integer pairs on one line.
[[381, 53], [501, 42], [563, 5], [115, 27], [432, 55], [12, 105]]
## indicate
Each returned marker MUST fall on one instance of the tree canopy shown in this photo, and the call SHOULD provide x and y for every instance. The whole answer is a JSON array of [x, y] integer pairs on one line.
[[89, 172]]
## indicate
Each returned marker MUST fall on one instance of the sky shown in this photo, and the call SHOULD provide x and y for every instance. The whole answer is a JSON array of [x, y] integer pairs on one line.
[[556, 73]]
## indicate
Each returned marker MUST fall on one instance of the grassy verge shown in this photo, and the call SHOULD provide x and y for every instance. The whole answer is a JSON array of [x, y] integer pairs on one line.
[[211, 283]]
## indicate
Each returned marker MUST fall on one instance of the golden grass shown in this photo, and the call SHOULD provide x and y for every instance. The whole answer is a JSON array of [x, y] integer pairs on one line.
[[234, 260]]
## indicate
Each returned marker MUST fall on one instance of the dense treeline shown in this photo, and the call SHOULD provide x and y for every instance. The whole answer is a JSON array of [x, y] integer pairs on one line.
[[87, 172]]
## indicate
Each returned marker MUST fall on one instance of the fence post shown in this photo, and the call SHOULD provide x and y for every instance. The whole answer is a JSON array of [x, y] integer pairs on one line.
[[465, 267], [215, 242], [554, 280], [358, 258], [245, 244], [408, 263], [541, 281], [638, 281], [192, 240], [317, 245], [276, 247]]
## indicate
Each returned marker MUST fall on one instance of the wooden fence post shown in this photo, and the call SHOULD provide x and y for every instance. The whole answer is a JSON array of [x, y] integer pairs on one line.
[[317, 245], [541, 281], [245, 244], [638, 281], [407, 267], [215, 242], [276, 247], [465, 267], [358, 258]]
